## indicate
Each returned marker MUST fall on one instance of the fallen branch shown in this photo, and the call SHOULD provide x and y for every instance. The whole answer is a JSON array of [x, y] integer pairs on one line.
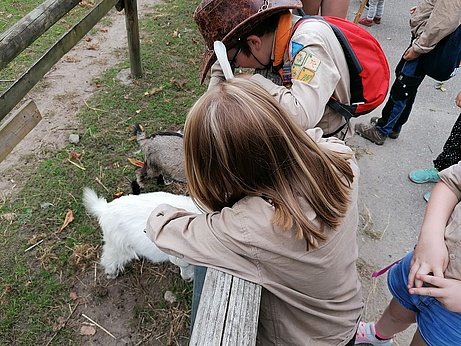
[[65, 322], [98, 325], [100, 183], [94, 109], [82, 168], [36, 244]]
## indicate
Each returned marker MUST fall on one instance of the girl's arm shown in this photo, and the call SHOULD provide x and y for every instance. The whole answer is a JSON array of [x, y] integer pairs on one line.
[[431, 255]]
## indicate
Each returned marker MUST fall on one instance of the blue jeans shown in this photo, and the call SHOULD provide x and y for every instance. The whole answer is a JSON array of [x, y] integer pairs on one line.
[[199, 280], [437, 325], [396, 112]]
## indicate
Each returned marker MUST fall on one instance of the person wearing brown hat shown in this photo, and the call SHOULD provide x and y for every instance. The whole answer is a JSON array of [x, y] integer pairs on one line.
[[301, 69]]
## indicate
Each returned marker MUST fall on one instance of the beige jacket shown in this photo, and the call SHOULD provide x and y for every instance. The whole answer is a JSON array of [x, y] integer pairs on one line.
[[452, 178], [306, 100], [432, 21], [309, 297]]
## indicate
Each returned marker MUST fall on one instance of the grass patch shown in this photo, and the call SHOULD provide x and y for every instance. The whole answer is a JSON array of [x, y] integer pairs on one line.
[[40, 261]]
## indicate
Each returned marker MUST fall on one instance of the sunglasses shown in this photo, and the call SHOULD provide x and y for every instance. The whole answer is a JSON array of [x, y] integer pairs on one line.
[[232, 61]]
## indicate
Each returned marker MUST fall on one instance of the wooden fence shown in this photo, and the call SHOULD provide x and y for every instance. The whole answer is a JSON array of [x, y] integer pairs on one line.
[[24, 32], [228, 311]]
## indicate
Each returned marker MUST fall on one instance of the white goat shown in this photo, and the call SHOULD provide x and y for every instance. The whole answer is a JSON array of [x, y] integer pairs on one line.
[[123, 223]]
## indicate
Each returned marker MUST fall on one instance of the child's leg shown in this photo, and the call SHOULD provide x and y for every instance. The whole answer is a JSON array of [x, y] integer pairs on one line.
[[379, 9], [394, 319], [372, 7]]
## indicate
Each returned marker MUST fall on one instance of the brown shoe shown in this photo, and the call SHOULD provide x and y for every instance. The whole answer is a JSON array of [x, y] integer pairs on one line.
[[371, 133], [393, 134]]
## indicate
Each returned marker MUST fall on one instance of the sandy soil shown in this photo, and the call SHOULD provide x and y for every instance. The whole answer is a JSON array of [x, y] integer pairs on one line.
[[102, 311]]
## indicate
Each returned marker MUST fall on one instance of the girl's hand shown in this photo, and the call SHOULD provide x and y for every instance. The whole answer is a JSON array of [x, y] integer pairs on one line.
[[430, 256], [446, 291], [411, 54], [412, 10]]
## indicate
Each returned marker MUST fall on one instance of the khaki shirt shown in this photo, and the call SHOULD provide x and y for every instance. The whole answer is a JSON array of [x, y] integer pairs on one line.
[[309, 297], [432, 21], [452, 178]]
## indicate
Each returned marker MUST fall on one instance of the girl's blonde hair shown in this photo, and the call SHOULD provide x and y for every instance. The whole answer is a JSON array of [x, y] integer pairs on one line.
[[239, 142]]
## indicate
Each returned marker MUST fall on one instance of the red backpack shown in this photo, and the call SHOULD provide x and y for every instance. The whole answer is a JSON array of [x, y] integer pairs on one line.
[[367, 63]]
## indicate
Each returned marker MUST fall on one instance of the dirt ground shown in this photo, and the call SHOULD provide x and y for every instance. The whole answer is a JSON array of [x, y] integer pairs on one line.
[[102, 310]]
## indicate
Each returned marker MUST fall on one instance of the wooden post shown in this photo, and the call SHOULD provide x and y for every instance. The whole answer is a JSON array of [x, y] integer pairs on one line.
[[132, 30], [359, 11], [17, 127]]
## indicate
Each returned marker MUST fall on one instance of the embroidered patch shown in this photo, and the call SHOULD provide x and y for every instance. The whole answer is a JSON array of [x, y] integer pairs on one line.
[[295, 48], [304, 66]]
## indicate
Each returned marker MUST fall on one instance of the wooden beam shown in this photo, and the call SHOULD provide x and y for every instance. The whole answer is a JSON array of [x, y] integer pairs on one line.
[[17, 127], [11, 97], [228, 312], [26, 30]]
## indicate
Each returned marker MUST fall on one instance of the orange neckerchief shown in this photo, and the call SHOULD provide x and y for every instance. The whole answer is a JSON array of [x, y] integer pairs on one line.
[[281, 38]]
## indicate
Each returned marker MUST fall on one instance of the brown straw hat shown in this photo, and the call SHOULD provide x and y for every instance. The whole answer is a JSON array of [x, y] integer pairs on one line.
[[229, 20]]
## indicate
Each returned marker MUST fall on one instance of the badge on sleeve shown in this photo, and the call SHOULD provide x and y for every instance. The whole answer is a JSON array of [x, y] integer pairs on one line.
[[305, 64]]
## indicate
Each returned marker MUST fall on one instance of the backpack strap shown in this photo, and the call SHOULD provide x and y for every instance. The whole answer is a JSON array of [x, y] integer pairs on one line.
[[353, 65]]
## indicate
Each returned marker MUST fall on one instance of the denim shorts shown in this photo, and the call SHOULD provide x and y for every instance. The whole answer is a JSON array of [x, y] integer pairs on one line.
[[437, 325]]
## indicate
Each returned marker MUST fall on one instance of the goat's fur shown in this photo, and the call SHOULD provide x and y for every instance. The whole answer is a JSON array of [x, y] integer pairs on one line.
[[123, 223], [163, 157]]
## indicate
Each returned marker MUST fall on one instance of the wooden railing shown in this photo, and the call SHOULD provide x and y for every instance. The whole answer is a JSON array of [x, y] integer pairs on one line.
[[228, 311], [24, 32]]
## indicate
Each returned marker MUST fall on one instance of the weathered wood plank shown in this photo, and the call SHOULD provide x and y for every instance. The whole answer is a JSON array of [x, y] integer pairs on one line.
[[25, 31], [212, 310], [228, 311], [242, 318], [17, 127], [11, 97]]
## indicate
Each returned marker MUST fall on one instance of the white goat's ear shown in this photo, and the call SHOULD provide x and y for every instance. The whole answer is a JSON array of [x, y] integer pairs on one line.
[[221, 53]]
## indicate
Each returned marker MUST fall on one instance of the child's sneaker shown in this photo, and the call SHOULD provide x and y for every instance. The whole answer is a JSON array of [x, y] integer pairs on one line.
[[428, 175], [365, 21], [377, 20], [366, 335]]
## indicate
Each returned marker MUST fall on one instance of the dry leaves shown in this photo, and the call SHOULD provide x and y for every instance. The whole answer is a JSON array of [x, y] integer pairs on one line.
[[87, 330], [136, 163], [117, 194], [69, 218]]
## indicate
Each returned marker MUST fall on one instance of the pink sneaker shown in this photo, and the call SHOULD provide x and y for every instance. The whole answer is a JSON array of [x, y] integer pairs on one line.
[[365, 21], [366, 335]]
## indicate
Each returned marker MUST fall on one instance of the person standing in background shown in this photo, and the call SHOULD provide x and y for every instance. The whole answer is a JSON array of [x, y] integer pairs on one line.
[[434, 51], [335, 8], [374, 14]]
